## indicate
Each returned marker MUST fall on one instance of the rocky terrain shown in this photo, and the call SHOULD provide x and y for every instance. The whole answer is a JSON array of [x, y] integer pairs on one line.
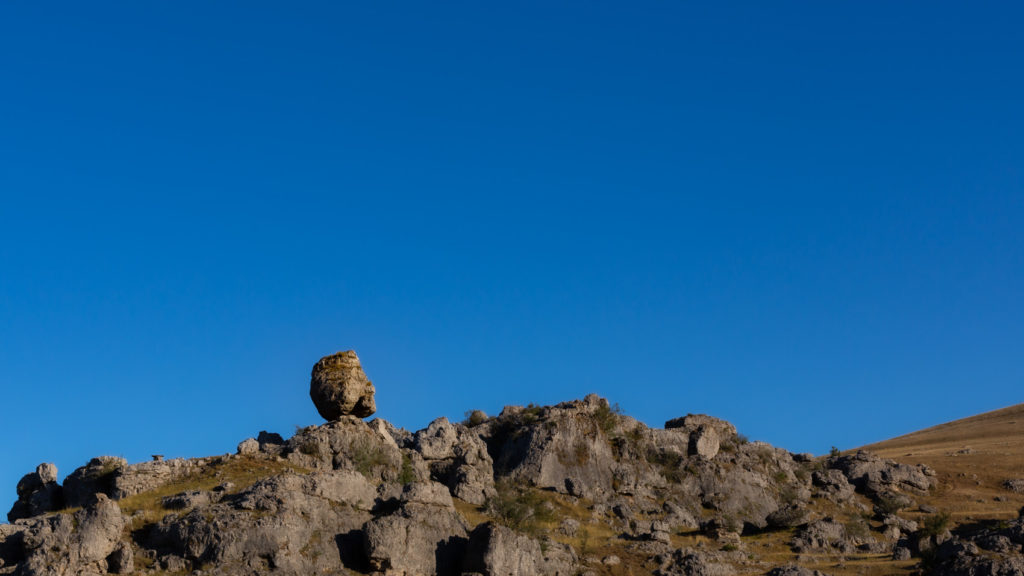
[[575, 488]]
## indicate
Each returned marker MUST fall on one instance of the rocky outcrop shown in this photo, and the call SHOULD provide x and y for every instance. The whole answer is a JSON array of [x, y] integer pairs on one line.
[[38, 492], [495, 550], [686, 562], [825, 534], [1015, 485], [876, 476], [457, 458], [425, 535], [996, 549], [129, 480], [292, 524], [833, 485], [339, 387], [564, 448], [96, 477], [346, 444], [78, 543]]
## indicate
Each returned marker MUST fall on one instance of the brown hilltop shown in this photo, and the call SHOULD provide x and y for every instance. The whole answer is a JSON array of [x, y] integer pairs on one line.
[[974, 458]]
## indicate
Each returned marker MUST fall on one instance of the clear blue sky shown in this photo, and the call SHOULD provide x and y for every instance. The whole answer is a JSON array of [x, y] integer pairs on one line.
[[803, 217]]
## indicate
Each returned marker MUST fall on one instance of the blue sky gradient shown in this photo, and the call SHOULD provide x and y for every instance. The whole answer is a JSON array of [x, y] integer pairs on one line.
[[803, 217]]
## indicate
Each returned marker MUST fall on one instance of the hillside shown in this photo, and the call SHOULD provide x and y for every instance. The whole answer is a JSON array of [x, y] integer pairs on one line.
[[578, 488], [974, 458]]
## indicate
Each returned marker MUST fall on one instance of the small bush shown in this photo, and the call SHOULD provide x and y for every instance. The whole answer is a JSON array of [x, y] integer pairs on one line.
[[730, 548], [407, 474], [742, 439], [366, 458], [309, 447], [669, 464], [834, 452], [789, 494], [607, 417], [530, 414], [474, 418], [802, 475], [935, 524], [519, 508], [858, 528]]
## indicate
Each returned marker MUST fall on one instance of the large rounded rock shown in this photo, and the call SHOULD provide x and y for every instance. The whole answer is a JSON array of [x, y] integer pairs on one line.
[[339, 387]]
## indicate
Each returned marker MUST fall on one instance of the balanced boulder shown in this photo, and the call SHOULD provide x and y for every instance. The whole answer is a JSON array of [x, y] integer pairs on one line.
[[339, 387]]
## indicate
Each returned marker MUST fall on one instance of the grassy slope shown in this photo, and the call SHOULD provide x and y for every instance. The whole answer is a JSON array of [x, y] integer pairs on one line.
[[973, 457]]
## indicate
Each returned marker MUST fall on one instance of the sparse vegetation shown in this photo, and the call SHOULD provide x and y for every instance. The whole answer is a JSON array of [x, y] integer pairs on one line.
[[530, 414], [407, 474], [669, 464], [858, 528], [310, 447], [834, 452], [519, 507], [607, 417], [366, 458], [474, 418], [242, 472]]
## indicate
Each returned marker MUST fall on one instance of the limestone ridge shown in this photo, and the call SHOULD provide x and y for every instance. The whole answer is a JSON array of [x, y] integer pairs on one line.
[[574, 488]]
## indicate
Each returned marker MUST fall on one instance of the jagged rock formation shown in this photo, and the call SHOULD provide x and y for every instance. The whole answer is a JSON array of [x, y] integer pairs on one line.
[[339, 387], [535, 490], [38, 492]]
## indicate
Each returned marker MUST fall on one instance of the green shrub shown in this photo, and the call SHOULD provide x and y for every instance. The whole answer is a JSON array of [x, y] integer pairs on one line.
[[407, 474], [935, 524], [834, 452], [607, 417], [519, 508]]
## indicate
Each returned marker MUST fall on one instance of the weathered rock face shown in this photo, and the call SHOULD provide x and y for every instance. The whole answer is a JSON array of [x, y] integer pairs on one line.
[[73, 544], [875, 475], [458, 459], [495, 550], [704, 443], [424, 536], [96, 477], [992, 551], [287, 524], [346, 444], [339, 387], [685, 562], [38, 492], [562, 447]]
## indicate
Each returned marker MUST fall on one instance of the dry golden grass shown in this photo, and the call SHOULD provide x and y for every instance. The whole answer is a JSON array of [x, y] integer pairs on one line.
[[972, 457], [240, 471]]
